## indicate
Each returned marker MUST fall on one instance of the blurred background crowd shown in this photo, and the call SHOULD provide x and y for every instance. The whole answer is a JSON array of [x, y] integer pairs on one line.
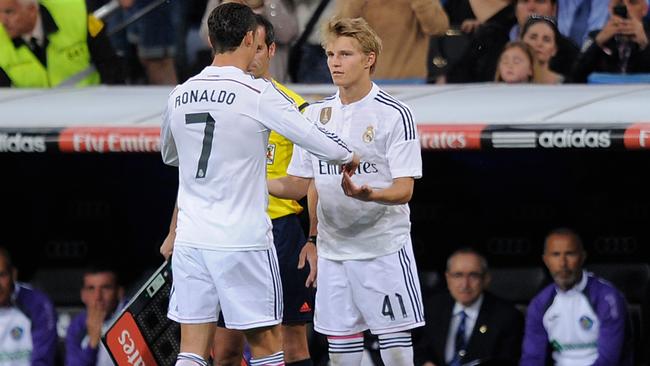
[[163, 42]]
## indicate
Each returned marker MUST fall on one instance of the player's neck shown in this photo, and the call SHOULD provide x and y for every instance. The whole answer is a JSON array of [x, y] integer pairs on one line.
[[235, 58], [355, 92]]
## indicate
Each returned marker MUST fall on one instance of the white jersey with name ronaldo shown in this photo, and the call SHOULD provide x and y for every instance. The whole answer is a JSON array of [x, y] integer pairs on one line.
[[215, 129], [380, 129]]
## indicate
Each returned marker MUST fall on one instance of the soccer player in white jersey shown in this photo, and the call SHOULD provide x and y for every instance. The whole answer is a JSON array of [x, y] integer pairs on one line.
[[291, 247], [216, 128], [367, 277]]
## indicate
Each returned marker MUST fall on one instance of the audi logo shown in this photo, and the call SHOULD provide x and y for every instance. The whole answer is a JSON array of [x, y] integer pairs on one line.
[[509, 246], [66, 249], [616, 244]]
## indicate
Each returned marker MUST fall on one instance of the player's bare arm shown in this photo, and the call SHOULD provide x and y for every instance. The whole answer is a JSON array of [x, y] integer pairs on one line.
[[308, 253], [288, 187], [399, 192], [167, 246]]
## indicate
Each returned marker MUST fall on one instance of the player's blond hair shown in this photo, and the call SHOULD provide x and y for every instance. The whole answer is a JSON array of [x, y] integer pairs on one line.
[[356, 28]]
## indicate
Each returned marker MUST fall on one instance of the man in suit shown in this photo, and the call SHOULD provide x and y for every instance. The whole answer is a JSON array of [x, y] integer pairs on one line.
[[468, 324]]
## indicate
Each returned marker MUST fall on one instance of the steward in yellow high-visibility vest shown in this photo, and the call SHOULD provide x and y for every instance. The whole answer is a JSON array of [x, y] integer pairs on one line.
[[51, 43]]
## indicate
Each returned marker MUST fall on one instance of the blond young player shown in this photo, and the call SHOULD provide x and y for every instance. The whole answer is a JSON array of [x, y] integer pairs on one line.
[[367, 277], [215, 129]]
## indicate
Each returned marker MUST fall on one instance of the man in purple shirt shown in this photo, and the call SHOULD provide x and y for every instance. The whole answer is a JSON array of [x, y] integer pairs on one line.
[[579, 319], [27, 321], [102, 295]]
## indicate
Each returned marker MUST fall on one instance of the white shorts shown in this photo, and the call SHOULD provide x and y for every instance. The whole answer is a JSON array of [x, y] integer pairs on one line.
[[244, 285], [381, 294]]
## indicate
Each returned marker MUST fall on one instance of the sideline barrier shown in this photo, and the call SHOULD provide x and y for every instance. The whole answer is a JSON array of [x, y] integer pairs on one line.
[[450, 117]]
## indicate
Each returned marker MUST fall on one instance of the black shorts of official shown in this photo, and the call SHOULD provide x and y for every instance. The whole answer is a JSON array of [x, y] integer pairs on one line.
[[289, 239]]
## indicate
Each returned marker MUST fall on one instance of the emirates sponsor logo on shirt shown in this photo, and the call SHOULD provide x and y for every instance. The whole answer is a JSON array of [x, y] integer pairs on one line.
[[365, 167]]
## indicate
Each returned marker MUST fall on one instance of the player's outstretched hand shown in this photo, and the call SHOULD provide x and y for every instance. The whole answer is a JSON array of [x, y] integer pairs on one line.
[[351, 167], [308, 254], [350, 189], [167, 246]]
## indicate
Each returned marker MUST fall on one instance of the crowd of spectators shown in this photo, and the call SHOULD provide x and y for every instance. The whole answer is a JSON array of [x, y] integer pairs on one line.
[[437, 41]]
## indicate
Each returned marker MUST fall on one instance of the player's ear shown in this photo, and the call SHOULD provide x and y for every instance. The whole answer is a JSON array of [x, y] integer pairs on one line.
[[249, 39], [272, 49], [371, 58]]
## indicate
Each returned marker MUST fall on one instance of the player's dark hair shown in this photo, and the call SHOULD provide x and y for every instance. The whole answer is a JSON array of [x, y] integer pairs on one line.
[[100, 267], [268, 29], [228, 24]]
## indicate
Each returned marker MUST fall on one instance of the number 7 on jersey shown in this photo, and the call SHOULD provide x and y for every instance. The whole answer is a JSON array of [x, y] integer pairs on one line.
[[208, 134]]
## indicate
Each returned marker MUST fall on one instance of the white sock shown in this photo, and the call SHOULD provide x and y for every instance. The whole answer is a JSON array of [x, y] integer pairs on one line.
[[346, 350], [396, 349], [190, 359], [276, 359]]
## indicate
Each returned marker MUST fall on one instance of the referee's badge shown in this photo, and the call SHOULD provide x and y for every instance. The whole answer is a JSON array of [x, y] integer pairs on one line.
[[270, 154], [325, 115], [369, 135]]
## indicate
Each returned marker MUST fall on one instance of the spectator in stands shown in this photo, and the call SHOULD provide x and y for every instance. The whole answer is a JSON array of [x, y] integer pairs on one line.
[[516, 64], [576, 18], [479, 62], [280, 13], [469, 324], [579, 319], [310, 62], [446, 50], [567, 51], [153, 36], [27, 321], [102, 296], [541, 34], [53, 43], [621, 46], [404, 28]]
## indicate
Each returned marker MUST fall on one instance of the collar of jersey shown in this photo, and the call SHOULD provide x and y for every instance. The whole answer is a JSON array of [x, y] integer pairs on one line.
[[369, 97], [222, 70]]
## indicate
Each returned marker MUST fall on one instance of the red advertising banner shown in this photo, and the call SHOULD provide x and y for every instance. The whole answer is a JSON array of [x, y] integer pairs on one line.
[[450, 137], [637, 136], [110, 139]]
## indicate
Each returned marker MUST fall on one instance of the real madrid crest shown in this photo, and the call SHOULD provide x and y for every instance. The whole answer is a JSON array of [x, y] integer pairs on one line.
[[369, 135], [325, 115]]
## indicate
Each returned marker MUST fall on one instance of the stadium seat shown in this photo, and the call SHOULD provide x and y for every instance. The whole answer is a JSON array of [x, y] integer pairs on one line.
[[62, 285], [517, 284]]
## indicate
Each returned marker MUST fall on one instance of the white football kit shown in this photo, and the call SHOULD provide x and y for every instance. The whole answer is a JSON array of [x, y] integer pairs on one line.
[[216, 129], [365, 263]]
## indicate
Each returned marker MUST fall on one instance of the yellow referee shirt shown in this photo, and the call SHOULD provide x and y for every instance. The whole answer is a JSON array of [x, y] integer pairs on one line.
[[278, 156]]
